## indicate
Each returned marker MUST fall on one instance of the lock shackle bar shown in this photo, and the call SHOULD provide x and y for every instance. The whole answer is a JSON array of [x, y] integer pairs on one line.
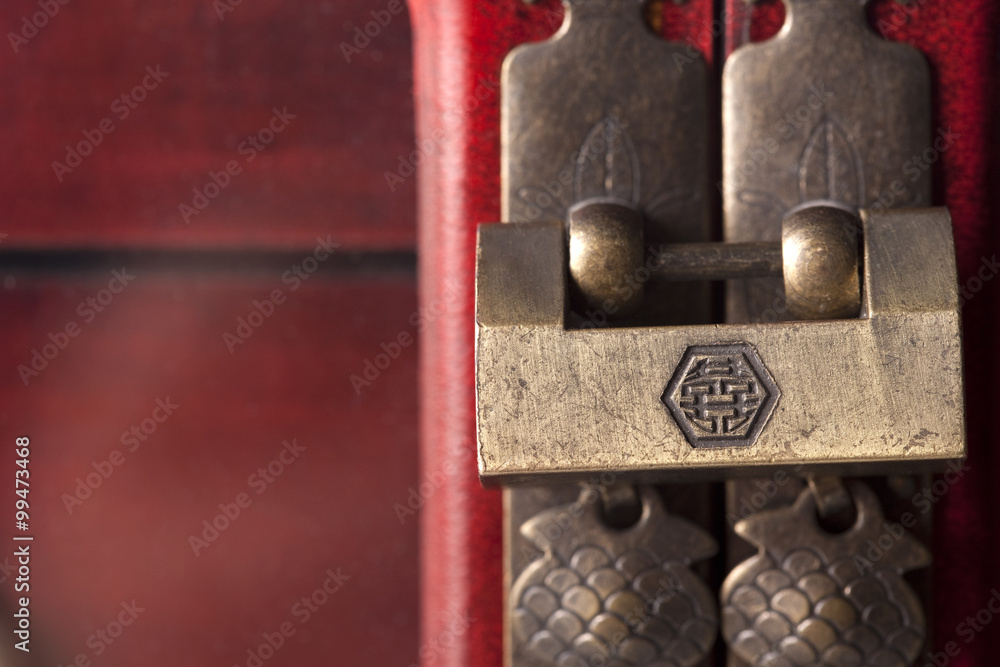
[[717, 261], [818, 258]]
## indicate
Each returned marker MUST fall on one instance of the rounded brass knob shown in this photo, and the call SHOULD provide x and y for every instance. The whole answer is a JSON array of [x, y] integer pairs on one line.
[[818, 258], [606, 248], [819, 249]]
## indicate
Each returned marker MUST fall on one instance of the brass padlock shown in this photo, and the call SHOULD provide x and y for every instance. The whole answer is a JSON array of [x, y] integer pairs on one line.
[[873, 394], [598, 176]]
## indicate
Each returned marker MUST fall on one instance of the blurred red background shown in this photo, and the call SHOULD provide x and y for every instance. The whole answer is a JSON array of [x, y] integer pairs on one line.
[[222, 69]]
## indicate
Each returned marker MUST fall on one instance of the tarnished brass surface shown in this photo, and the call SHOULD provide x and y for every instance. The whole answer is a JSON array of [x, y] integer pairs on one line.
[[603, 110], [831, 495], [718, 261], [606, 246], [819, 249], [528, 267], [859, 396], [810, 597], [826, 110], [599, 111], [721, 395]]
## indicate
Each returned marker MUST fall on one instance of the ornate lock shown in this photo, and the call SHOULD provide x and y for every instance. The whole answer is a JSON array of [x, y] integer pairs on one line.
[[596, 360], [868, 395]]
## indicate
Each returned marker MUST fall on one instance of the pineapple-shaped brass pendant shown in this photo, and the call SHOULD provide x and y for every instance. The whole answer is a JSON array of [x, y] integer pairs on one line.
[[618, 598], [815, 598]]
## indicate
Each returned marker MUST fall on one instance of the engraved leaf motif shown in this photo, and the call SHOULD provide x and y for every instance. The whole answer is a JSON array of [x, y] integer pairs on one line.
[[608, 163], [769, 208], [830, 167]]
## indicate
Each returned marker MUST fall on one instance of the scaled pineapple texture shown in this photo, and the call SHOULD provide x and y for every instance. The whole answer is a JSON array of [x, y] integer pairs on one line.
[[809, 598], [617, 599]]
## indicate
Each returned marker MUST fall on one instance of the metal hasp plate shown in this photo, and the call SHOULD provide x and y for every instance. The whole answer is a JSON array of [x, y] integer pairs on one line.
[[871, 395], [825, 111], [606, 109]]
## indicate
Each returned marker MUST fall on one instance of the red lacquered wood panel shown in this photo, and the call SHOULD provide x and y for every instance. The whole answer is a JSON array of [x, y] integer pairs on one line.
[[459, 48], [152, 378], [221, 69]]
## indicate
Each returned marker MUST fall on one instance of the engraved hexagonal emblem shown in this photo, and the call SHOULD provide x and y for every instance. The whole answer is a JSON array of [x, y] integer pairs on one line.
[[721, 395]]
